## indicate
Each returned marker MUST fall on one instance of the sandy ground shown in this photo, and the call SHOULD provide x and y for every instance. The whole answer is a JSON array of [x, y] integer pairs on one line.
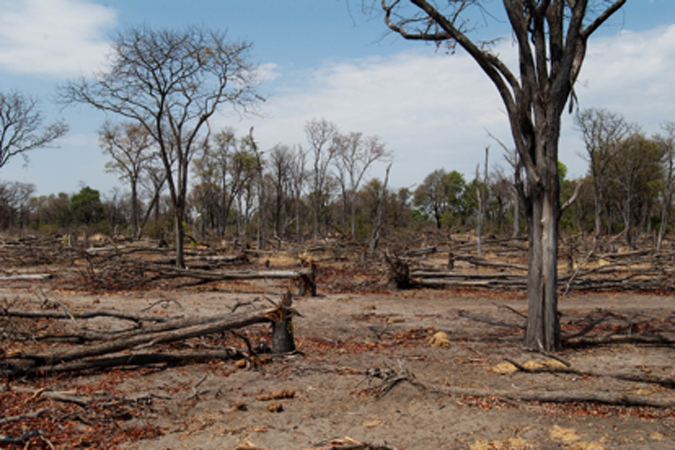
[[341, 337]]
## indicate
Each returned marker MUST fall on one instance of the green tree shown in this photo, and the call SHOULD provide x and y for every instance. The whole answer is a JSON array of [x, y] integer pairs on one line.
[[87, 207], [440, 194], [601, 130], [637, 177], [667, 144]]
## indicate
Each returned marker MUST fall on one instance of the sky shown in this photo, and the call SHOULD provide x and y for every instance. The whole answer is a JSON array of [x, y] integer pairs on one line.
[[326, 59]]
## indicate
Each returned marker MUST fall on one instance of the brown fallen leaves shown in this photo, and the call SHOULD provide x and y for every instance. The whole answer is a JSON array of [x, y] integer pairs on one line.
[[278, 394]]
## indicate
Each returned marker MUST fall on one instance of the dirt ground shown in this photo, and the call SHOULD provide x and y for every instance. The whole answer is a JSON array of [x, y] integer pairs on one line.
[[343, 337]]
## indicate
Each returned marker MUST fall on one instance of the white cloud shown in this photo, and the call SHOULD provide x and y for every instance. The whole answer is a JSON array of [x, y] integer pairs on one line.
[[434, 110], [431, 110], [53, 37], [632, 73], [268, 72]]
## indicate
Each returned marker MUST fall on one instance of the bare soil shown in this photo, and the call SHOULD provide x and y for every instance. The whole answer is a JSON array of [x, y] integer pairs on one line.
[[342, 337]]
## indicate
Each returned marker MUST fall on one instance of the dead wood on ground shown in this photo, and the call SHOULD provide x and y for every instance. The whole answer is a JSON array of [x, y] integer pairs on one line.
[[643, 270], [637, 378], [121, 349], [567, 396]]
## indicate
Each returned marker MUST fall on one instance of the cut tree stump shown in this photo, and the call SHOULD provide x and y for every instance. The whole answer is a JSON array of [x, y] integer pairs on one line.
[[282, 326]]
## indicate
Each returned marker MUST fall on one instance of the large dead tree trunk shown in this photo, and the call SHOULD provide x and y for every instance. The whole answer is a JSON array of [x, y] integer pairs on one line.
[[543, 326], [551, 39]]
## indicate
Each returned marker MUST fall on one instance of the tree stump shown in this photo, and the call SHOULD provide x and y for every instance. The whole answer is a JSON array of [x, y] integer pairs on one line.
[[307, 282], [282, 327]]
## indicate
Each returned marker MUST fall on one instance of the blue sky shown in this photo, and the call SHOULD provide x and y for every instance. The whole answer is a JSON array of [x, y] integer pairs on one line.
[[326, 59]]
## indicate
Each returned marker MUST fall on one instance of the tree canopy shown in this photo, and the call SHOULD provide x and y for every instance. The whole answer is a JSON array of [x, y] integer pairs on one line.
[[170, 83]]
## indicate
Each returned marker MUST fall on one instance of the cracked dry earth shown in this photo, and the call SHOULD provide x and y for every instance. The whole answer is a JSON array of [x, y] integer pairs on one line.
[[326, 393]]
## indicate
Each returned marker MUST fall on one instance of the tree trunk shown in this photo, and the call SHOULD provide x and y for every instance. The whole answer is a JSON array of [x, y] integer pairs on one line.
[[134, 208], [598, 215], [628, 218], [282, 327], [375, 238], [315, 219], [353, 214], [665, 215], [543, 326], [180, 237], [516, 213]]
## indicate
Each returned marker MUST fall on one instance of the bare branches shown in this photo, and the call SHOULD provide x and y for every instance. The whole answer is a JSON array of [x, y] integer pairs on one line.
[[573, 198], [107, 351], [602, 18], [21, 128], [170, 83]]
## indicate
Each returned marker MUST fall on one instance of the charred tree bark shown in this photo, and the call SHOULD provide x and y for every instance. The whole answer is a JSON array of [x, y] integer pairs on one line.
[[282, 327]]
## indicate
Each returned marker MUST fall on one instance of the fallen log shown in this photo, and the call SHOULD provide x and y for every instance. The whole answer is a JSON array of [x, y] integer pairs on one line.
[[637, 378], [420, 252], [481, 262], [493, 283], [27, 277], [25, 437], [89, 357], [211, 259], [620, 339], [305, 277], [233, 321], [30, 415], [133, 360], [50, 314], [607, 398], [167, 325]]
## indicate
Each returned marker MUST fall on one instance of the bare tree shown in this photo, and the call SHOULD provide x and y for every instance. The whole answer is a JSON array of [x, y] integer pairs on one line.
[[552, 38], [153, 183], [501, 190], [379, 214], [21, 128], [225, 145], [602, 131], [14, 203], [281, 163], [512, 158], [298, 185], [130, 148], [249, 141], [321, 136], [481, 195], [171, 82], [355, 154]]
